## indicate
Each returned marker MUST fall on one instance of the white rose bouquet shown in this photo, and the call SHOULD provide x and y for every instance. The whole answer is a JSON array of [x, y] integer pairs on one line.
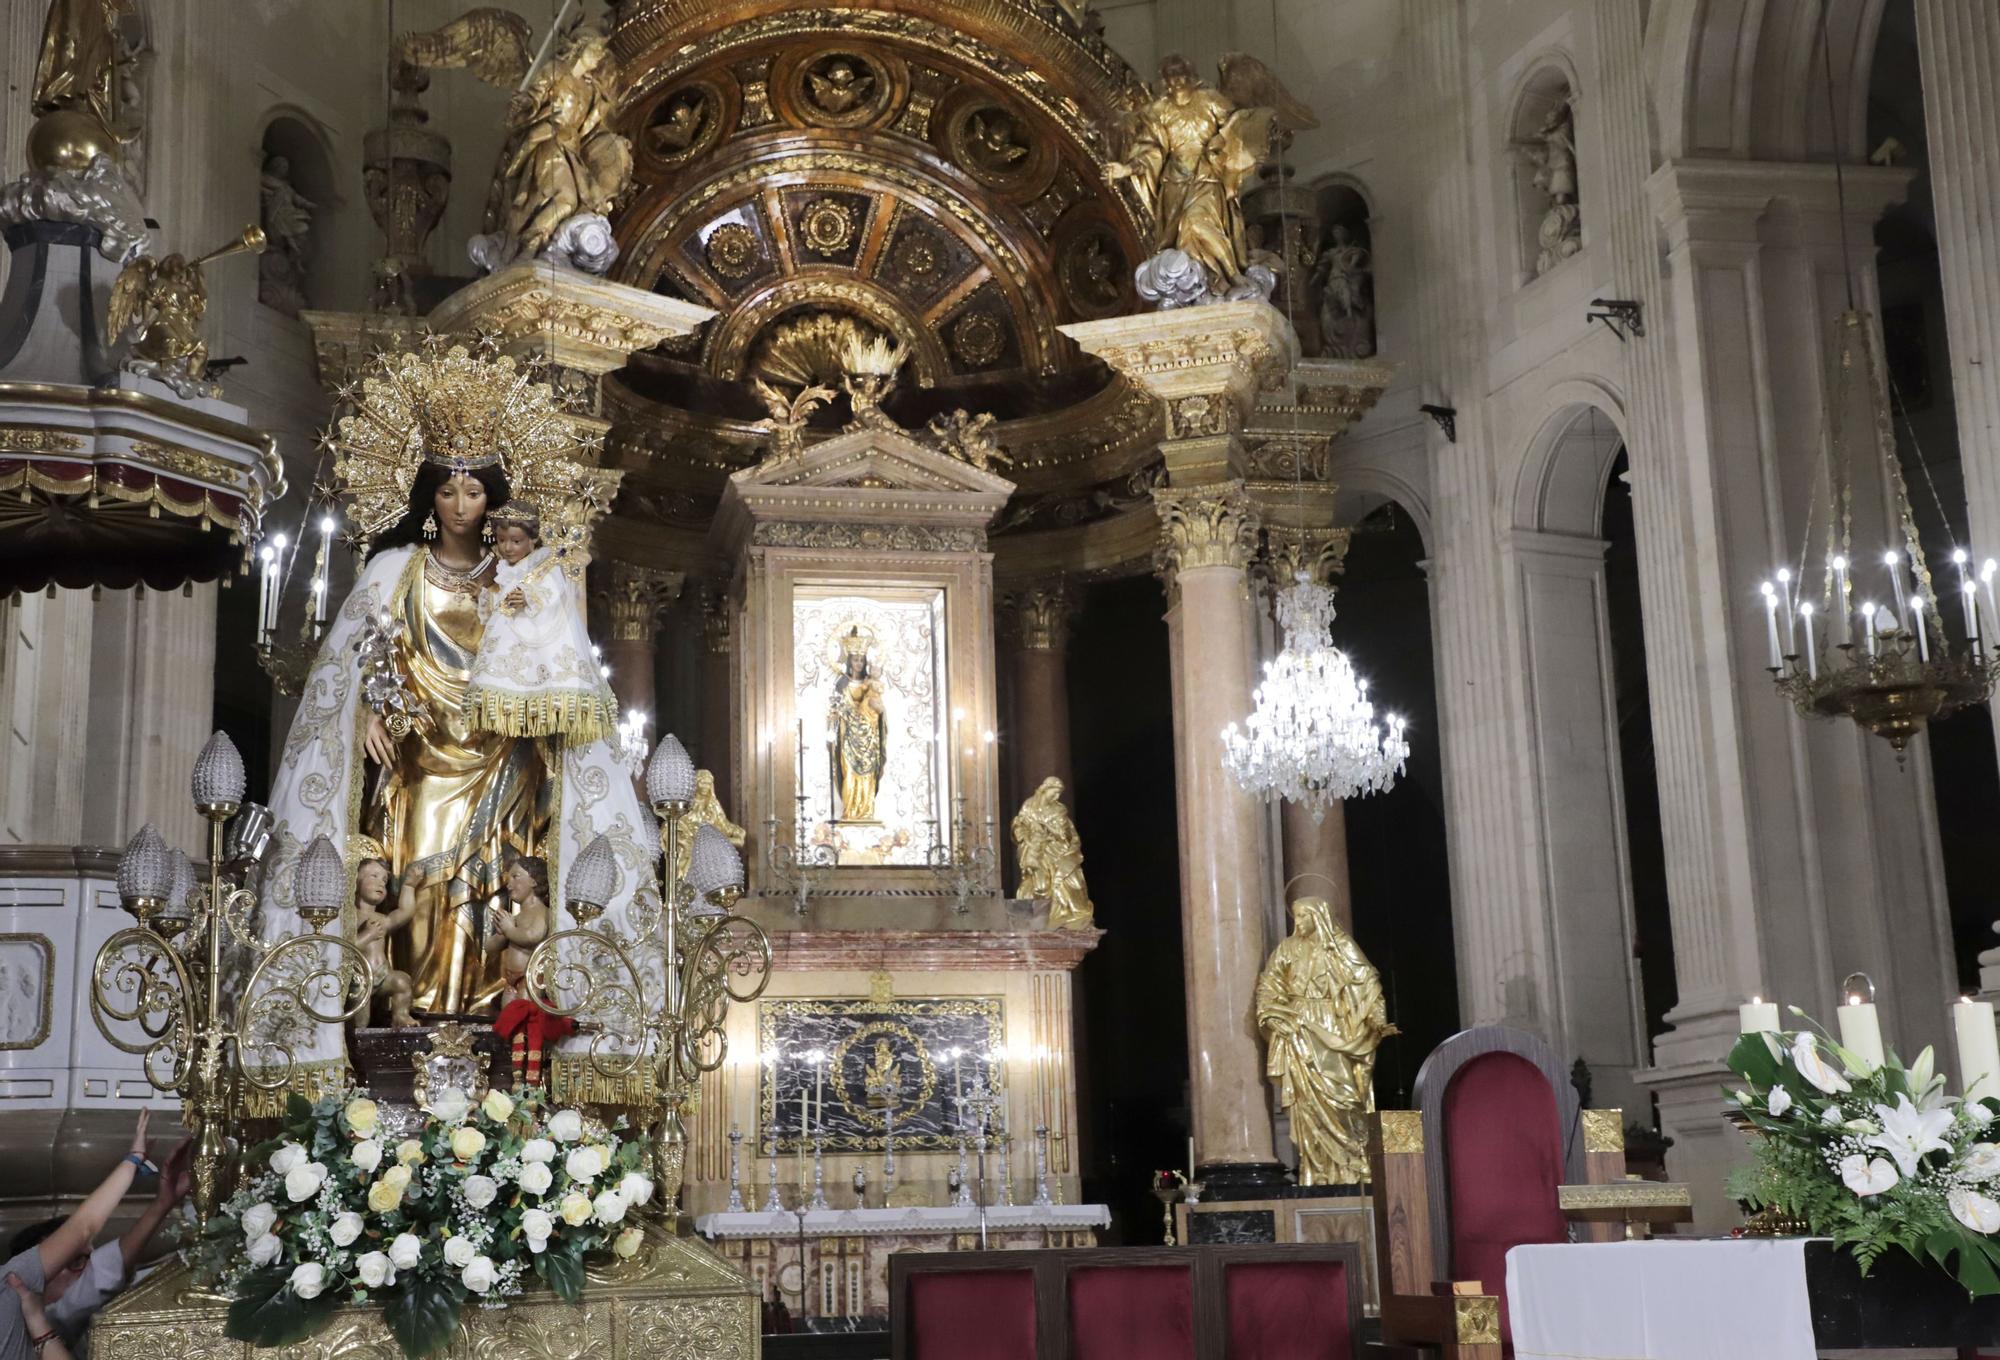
[[483, 1195], [1872, 1157]]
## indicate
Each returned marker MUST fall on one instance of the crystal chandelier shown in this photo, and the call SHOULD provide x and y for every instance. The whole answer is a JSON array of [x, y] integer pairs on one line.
[[1313, 737]]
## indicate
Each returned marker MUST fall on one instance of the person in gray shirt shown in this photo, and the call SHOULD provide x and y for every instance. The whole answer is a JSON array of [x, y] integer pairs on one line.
[[58, 1260]]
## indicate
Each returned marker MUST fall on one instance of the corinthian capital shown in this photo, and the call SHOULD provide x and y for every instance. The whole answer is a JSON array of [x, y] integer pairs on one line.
[[635, 597], [1205, 526], [1039, 616]]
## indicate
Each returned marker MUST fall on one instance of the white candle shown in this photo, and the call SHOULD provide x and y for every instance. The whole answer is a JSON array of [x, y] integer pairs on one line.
[[1868, 622], [800, 772], [1757, 1016], [1812, 643], [1890, 560], [1791, 607], [1978, 1049], [265, 580], [1190, 1158], [1968, 594], [1843, 625], [1923, 633], [1986, 573], [1861, 1031], [1771, 624]]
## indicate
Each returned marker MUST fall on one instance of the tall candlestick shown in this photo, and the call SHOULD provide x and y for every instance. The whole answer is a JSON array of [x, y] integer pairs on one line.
[[1892, 560], [1757, 1016], [1843, 623], [819, 1090], [1987, 571], [1771, 623], [773, 1202], [799, 769], [267, 578], [1968, 595], [1791, 609], [1868, 623], [1861, 1030], [1923, 633], [1812, 642], [1978, 1049]]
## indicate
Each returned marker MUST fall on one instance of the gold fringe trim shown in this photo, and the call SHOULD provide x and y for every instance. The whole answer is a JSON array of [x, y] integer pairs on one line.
[[311, 1080], [581, 716], [575, 1080]]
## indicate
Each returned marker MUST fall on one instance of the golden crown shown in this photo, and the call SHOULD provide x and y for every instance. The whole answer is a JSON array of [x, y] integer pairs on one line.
[[462, 408]]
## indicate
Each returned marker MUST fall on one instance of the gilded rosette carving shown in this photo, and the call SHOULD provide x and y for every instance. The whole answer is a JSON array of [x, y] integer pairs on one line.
[[1205, 526], [1476, 1319], [1401, 1132], [1603, 1130]]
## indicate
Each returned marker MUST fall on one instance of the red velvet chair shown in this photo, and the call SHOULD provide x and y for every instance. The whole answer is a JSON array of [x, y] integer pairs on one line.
[[1472, 1173], [1289, 1301]]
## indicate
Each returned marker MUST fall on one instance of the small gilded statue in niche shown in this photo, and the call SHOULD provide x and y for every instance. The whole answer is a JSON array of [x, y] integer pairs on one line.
[[515, 933], [162, 303], [1190, 150], [705, 809], [857, 731], [1050, 855], [1320, 1006], [839, 86], [372, 928]]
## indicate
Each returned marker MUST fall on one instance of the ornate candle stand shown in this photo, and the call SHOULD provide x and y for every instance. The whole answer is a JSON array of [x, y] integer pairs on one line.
[[962, 868], [166, 973], [797, 865], [707, 957]]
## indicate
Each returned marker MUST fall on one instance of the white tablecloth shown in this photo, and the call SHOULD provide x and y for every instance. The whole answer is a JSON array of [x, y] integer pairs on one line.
[[1661, 1300]]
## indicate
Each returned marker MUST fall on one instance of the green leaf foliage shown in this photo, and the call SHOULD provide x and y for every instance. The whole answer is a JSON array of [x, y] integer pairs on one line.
[[267, 1313], [423, 1315]]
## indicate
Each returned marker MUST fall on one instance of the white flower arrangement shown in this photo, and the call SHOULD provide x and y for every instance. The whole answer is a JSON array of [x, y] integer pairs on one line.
[[467, 1209], [1892, 1162]]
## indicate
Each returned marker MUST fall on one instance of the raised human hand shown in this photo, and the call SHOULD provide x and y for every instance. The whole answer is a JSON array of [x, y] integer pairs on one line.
[[380, 746]]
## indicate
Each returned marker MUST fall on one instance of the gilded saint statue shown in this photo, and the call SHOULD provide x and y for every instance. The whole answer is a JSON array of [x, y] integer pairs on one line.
[[1193, 147], [856, 730], [882, 1078], [1320, 1006], [1050, 858], [704, 809], [80, 63], [562, 158]]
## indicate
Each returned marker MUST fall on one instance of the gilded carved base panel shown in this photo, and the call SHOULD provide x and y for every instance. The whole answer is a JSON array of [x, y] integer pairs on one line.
[[675, 1301]]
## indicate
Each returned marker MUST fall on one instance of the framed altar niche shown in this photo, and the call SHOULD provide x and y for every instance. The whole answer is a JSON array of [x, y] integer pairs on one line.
[[862, 596]]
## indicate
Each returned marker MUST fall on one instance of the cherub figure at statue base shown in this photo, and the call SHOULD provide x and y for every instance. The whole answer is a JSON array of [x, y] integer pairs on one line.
[[372, 928], [515, 934]]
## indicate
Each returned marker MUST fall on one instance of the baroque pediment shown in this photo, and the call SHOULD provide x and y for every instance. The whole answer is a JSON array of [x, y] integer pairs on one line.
[[861, 481]]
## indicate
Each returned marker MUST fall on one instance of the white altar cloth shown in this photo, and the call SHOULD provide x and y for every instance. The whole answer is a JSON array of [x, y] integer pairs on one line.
[[1661, 1300], [916, 1219]]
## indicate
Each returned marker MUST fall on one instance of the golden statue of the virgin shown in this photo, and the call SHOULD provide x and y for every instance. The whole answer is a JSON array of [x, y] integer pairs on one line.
[[1050, 855], [855, 721], [79, 64], [1320, 1006]]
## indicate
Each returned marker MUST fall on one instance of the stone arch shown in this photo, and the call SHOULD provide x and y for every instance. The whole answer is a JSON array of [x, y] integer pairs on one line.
[[1547, 194], [292, 138], [1365, 486], [1746, 79], [1561, 484]]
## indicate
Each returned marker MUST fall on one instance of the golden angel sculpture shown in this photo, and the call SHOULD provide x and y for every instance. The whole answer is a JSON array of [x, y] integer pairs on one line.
[[384, 744], [1050, 858], [870, 365], [162, 303], [562, 166], [1320, 1006], [969, 438], [1190, 150], [81, 64], [789, 414]]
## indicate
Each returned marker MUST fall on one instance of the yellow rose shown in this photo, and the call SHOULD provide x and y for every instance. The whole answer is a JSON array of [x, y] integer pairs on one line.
[[498, 1105], [410, 1152], [575, 1209], [466, 1142], [362, 1116], [627, 1243], [398, 1176], [384, 1195]]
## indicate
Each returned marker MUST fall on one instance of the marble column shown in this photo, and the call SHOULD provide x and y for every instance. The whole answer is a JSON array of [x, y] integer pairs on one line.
[[1959, 48], [1039, 618], [634, 598], [717, 704], [45, 667], [1206, 364]]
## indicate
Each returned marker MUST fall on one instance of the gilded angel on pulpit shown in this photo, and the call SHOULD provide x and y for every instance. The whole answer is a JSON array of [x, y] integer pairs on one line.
[[1190, 150], [162, 303]]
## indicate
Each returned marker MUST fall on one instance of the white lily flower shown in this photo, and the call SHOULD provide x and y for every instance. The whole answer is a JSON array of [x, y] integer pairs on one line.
[[1831, 1116], [1982, 1162], [1908, 1133], [1864, 1177], [1815, 1069]]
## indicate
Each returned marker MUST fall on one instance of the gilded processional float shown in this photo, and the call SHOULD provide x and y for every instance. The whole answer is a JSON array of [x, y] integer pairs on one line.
[[818, 333]]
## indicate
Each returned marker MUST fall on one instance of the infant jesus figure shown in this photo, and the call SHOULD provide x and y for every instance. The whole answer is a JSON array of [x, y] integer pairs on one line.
[[516, 933], [372, 928]]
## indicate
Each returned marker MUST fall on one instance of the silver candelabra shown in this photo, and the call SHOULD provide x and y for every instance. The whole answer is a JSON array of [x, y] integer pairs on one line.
[[774, 1202], [819, 1175], [797, 864], [960, 867], [735, 1168]]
